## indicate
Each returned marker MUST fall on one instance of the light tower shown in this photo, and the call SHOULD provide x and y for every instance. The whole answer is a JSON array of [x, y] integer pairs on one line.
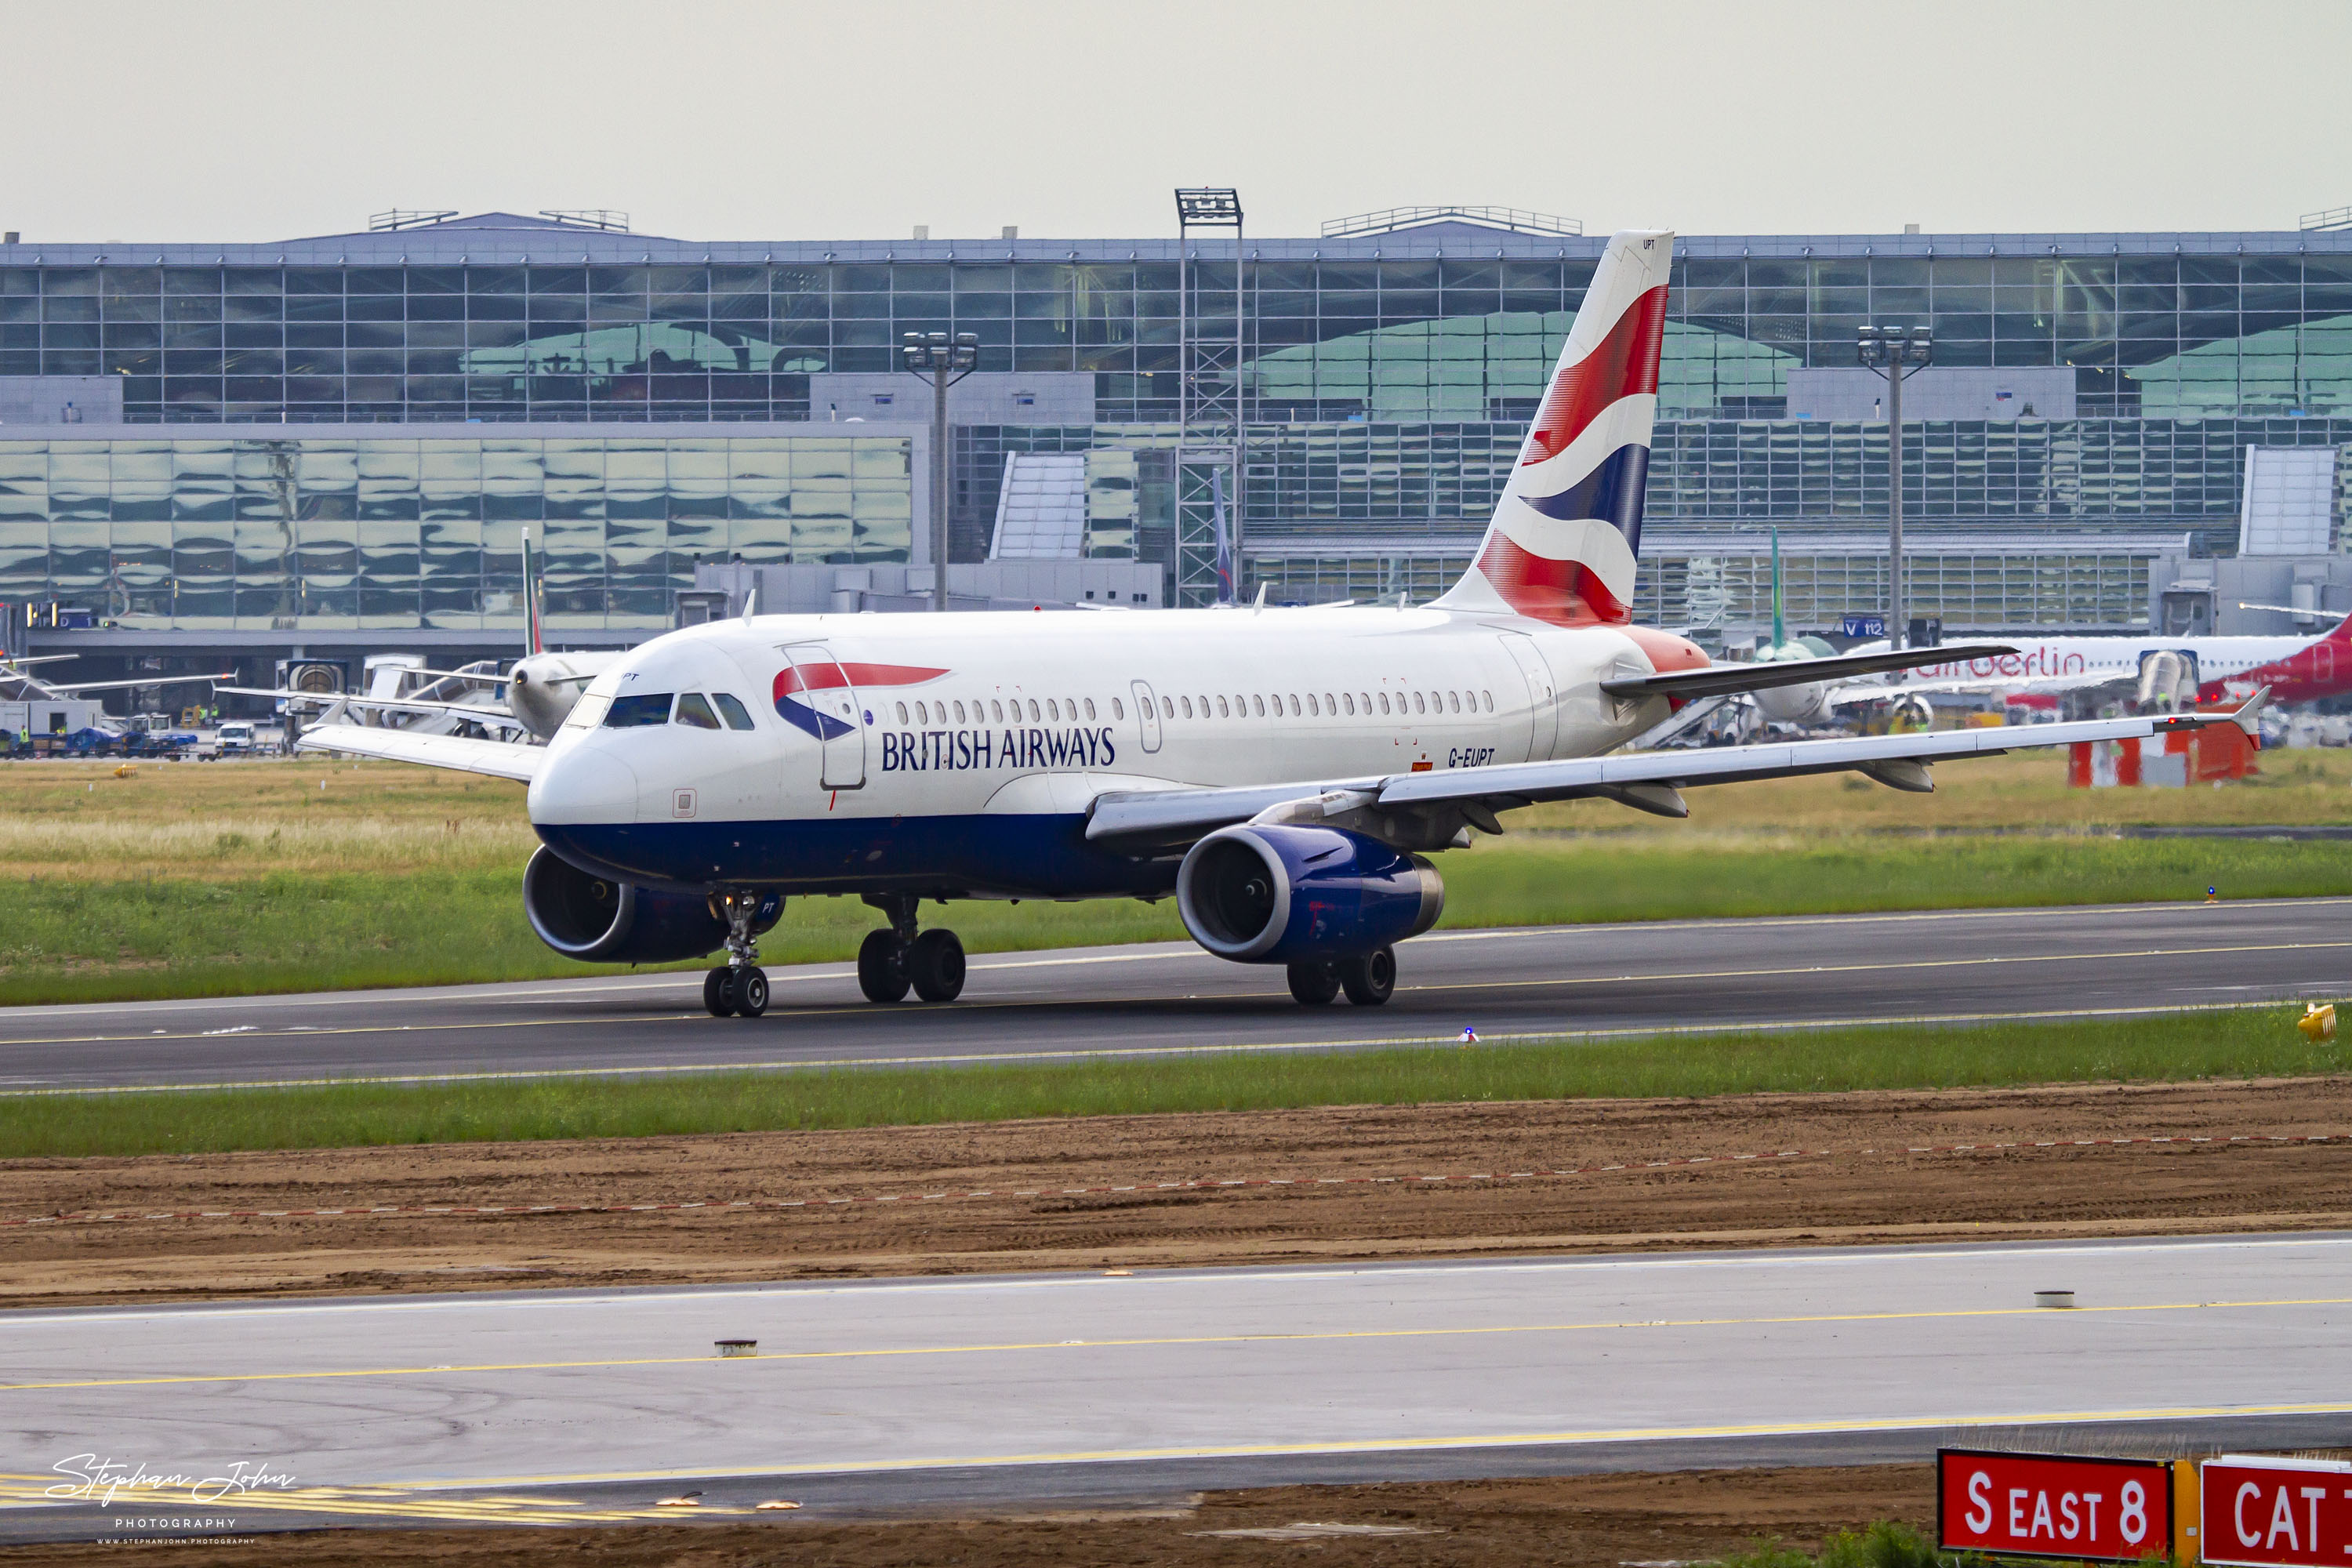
[[1209, 448], [1895, 355], [946, 360]]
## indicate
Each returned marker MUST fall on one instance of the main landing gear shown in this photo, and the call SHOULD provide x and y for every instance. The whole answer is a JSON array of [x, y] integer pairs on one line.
[[1368, 979], [892, 960], [741, 987]]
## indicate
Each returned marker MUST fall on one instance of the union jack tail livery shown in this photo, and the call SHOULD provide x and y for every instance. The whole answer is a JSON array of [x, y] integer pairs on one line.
[[1565, 530]]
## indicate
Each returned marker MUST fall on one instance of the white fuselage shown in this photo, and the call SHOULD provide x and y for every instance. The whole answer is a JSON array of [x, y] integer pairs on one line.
[[962, 751]]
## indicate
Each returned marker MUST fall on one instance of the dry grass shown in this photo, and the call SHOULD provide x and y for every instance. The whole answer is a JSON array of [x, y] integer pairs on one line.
[[2022, 790], [222, 821]]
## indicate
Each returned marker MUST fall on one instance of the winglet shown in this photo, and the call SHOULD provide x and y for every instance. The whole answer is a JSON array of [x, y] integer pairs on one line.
[[2249, 716]]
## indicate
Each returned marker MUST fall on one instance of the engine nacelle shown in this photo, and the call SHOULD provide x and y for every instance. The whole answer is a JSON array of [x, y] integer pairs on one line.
[[599, 921], [1289, 894]]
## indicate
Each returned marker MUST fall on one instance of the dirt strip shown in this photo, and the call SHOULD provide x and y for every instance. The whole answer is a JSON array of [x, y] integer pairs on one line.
[[1580, 1522], [1332, 1184]]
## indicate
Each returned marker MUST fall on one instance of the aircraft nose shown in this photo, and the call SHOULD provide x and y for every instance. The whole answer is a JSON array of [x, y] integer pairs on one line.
[[583, 785]]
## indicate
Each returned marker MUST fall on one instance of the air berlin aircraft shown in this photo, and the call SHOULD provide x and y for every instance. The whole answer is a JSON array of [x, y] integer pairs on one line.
[[1282, 772]]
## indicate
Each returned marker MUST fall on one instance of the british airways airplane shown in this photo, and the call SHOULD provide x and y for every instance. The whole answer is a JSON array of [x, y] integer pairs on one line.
[[1282, 773]]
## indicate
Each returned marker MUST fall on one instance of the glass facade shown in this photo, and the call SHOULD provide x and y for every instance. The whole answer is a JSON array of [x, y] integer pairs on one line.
[[1983, 585], [1387, 378], [1440, 325], [304, 531]]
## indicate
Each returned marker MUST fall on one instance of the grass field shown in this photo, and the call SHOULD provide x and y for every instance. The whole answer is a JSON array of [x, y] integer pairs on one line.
[[2238, 1043], [189, 879]]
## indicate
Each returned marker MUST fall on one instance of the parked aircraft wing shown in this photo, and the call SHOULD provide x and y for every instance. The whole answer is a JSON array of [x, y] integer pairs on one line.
[[1646, 780], [1729, 680], [499, 759], [119, 685], [395, 704]]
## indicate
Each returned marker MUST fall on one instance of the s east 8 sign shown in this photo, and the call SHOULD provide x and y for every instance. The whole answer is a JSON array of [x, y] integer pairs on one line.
[[2044, 1505], [2270, 1511]]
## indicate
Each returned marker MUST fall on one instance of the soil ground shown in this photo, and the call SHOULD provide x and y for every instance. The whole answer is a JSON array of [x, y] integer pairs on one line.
[[1353, 1185], [1578, 1521]]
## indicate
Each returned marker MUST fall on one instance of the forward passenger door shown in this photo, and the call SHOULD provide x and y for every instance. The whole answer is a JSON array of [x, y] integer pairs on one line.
[[823, 702]]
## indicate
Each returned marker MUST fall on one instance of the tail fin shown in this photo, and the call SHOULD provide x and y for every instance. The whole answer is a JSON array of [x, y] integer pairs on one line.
[[534, 638], [1568, 525]]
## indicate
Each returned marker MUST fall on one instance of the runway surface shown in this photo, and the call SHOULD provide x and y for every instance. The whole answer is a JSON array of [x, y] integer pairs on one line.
[[1521, 982], [905, 1394]]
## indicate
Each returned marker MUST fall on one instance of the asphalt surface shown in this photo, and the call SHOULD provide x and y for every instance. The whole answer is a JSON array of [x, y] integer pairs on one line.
[[1533, 982], [898, 1394]]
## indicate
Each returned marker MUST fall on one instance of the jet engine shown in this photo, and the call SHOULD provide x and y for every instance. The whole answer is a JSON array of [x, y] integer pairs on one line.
[[599, 921], [1288, 894], [542, 689]]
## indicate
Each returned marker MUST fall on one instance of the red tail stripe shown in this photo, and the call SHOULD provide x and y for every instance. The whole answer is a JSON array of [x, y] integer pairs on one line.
[[829, 677], [1564, 593], [1624, 364]]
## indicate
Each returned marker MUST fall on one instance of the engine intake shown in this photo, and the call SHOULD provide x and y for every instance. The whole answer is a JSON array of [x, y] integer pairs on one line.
[[1289, 894], [599, 921]]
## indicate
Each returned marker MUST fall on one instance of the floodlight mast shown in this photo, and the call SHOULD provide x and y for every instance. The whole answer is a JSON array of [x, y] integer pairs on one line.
[[1895, 355], [1211, 402], [946, 362]]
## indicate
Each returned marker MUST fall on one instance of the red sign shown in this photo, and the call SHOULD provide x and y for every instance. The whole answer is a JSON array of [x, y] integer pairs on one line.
[[2269, 1511], [2047, 1505]]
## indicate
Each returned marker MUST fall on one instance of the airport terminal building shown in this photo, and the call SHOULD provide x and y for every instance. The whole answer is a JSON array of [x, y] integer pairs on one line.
[[341, 440]]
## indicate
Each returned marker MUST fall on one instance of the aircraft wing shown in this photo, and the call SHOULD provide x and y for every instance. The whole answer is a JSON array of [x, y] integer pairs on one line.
[[499, 759], [1728, 679], [119, 685], [1648, 781], [394, 704]]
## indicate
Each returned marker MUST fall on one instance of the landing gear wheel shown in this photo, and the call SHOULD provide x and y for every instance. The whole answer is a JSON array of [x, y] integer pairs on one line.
[[882, 967], [715, 998], [748, 989], [1370, 980], [935, 965], [1313, 984]]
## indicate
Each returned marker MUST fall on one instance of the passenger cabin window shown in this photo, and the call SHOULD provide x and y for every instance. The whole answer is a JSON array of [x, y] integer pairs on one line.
[[1117, 711], [1167, 709], [739, 717], [902, 715], [1090, 709], [695, 713], [637, 712]]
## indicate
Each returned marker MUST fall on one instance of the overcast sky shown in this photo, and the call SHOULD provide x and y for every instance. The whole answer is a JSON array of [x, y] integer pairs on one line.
[[240, 119]]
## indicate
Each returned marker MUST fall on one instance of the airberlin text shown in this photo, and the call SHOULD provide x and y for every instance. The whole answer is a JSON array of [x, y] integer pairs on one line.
[[919, 750]]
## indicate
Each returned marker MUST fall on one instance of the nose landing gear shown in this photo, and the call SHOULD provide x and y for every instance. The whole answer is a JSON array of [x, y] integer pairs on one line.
[[741, 987], [892, 961]]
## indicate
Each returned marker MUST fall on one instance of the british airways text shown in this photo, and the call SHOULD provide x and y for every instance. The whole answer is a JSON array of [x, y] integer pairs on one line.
[[958, 750]]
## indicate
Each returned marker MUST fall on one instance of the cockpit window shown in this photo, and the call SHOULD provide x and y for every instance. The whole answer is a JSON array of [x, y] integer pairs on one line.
[[693, 711], [635, 712], [737, 716], [588, 712]]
